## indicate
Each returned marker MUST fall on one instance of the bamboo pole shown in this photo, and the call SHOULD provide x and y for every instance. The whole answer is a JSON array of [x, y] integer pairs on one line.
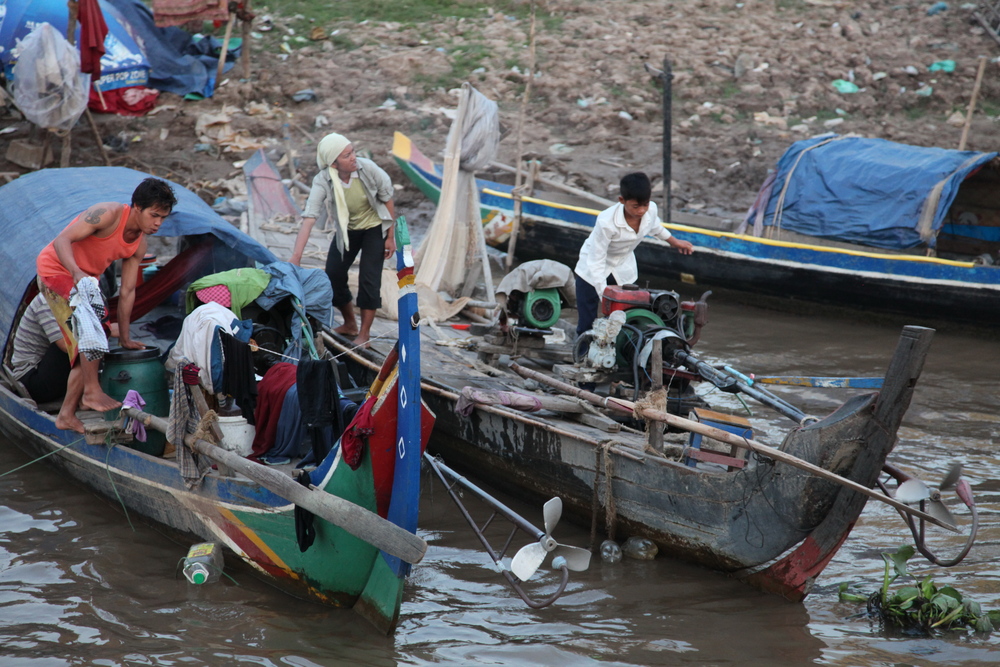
[[556, 185], [972, 102], [516, 224], [629, 407], [356, 520], [225, 48]]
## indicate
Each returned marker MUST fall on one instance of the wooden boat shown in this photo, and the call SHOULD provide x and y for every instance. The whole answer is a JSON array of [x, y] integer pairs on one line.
[[251, 513], [772, 526], [960, 284]]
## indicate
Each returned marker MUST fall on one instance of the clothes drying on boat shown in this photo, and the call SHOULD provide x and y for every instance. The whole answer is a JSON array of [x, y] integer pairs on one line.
[[238, 376], [244, 285], [271, 391], [200, 345]]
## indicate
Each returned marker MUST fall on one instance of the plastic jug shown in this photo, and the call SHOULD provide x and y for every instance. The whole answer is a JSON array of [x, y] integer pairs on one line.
[[203, 563]]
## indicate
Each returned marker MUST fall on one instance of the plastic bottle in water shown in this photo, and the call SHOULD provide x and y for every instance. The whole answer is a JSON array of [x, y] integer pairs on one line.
[[610, 551], [203, 563], [640, 548]]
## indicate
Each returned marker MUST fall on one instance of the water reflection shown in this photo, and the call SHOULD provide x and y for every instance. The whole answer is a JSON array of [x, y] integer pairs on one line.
[[78, 586]]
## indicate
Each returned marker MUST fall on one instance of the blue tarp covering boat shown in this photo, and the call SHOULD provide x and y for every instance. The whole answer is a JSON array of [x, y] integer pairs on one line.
[[868, 191], [36, 207]]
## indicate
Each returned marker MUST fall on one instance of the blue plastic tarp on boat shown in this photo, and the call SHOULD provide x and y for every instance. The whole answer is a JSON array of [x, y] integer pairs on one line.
[[37, 206], [867, 191]]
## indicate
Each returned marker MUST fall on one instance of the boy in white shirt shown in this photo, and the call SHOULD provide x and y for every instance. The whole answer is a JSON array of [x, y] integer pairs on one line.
[[607, 255]]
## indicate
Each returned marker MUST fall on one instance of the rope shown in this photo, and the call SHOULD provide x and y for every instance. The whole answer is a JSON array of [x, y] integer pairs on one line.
[[107, 470], [54, 451], [610, 512], [204, 429]]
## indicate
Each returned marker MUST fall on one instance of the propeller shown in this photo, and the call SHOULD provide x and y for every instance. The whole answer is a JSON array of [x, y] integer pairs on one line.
[[914, 491], [529, 558]]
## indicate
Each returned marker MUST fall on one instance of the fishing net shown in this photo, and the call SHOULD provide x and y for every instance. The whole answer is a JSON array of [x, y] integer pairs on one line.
[[454, 244]]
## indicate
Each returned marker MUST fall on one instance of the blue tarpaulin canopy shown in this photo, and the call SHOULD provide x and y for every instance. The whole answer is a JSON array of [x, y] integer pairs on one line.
[[868, 191], [123, 63], [37, 206]]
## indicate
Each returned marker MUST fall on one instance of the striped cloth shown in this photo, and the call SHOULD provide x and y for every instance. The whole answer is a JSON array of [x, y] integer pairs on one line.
[[88, 307]]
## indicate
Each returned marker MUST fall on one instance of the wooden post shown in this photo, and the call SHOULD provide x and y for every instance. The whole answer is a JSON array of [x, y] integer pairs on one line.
[[655, 428], [225, 48], [245, 52], [74, 12], [516, 224], [972, 102], [667, 134]]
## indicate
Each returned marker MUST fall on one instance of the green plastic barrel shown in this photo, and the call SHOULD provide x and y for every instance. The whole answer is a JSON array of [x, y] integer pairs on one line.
[[140, 370]]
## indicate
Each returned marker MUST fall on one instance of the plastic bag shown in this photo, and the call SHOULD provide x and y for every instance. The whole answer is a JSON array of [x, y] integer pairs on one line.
[[49, 88]]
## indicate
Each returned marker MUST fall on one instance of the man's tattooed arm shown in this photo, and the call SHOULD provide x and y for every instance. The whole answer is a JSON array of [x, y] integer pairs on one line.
[[94, 215]]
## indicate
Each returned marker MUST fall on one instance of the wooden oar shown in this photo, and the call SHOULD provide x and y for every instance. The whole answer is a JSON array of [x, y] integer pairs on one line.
[[629, 407], [355, 519]]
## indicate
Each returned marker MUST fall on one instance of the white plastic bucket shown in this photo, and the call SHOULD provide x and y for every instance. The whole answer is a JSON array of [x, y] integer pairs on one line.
[[237, 435]]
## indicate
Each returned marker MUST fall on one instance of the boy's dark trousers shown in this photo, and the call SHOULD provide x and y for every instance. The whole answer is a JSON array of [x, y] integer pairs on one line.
[[588, 303]]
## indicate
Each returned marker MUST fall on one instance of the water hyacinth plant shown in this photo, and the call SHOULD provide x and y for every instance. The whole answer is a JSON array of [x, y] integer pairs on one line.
[[920, 607]]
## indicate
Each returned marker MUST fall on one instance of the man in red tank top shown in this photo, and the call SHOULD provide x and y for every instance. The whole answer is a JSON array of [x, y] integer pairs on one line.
[[86, 247]]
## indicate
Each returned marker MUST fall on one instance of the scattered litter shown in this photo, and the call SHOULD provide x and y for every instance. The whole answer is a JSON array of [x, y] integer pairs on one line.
[[911, 70], [321, 121], [840, 112], [878, 76], [802, 128], [943, 66], [957, 119], [833, 122], [937, 8], [560, 149], [317, 34], [164, 133], [625, 115], [765, 118], [202, 148], [388, 105], [8, 130], [844, 87], [259, 109], [304, 95], [165, 107], [925, 91]]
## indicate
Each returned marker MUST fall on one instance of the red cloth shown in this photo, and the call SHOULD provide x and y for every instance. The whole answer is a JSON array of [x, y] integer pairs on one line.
[[179, 271], [271, 392], [355, 438], [93, 30], [131, 101]]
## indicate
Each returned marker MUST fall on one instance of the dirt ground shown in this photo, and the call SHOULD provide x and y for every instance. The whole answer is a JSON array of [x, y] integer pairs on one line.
[[749, 79]]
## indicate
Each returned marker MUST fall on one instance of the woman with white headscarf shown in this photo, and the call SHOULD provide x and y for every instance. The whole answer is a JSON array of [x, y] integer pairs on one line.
[[357, 194]]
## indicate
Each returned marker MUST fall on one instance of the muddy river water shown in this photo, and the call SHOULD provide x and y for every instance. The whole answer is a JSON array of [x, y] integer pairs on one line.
[[80, 585]]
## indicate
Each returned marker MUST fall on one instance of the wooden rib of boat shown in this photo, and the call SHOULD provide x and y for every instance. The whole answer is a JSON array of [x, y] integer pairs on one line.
[[796, 266], [772, 526], [253, 521]]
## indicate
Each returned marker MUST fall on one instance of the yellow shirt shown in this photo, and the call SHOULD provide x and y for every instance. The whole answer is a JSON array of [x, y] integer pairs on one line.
[[362, 215]]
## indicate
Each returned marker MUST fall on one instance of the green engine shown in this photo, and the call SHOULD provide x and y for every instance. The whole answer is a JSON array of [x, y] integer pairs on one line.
[[541, 308]]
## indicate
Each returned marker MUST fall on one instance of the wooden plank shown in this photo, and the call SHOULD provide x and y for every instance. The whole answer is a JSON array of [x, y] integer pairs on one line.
[[709, 456]]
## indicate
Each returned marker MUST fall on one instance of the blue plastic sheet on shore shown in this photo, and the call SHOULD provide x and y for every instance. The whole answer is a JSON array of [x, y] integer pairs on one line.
[[178, 63], [867, 191]]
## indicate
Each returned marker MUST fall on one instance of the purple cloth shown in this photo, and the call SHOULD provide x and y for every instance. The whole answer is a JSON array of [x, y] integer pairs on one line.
[[134, 400]]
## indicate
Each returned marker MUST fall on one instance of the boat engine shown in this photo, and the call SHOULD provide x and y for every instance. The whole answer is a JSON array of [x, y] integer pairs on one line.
[[636, 313], [538, 309]]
